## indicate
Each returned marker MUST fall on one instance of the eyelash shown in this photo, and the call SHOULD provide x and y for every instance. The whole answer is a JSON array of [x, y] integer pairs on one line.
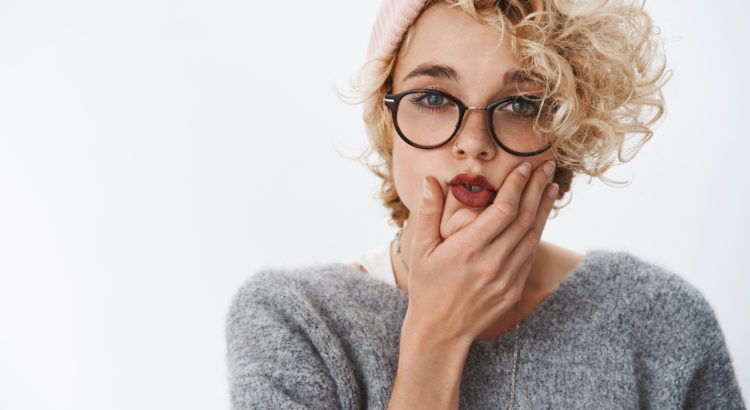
[[415, 100], [535, 104], [512, 113]]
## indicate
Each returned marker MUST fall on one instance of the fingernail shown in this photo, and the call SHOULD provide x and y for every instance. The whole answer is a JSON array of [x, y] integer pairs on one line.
[[524, 169], [549, 167], [426, 188], [552, 190]]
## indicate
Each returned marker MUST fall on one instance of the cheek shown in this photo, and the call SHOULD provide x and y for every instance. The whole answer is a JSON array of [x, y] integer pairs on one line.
[[410, 167], [407, 177]]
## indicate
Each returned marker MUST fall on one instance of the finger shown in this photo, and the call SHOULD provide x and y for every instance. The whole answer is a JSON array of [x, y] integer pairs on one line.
[[503, 209], [427, 226], [528, 208], [527, 245], [511, 292]]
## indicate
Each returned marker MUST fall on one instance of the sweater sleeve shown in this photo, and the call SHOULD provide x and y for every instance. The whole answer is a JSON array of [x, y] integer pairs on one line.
[[688, 356], [713, 383], [272, 358]]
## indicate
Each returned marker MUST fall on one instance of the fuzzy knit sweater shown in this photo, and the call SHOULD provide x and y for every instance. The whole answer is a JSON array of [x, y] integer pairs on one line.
[[618, 333]]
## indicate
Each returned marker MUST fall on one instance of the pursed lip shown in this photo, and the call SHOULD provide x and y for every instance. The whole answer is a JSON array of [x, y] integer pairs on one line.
[[478, 180]]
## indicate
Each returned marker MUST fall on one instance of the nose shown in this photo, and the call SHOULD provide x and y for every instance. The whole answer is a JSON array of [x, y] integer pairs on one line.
[[473, 139]]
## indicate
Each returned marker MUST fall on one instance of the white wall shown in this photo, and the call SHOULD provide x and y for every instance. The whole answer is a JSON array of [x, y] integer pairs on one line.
[[150, 162]]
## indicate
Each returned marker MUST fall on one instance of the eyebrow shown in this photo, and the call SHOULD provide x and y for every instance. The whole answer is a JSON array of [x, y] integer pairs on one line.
[[449, 73], [515, 77], [433, 70]]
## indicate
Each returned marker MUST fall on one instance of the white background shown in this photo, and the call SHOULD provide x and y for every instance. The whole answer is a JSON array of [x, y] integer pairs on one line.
[[154, 154]]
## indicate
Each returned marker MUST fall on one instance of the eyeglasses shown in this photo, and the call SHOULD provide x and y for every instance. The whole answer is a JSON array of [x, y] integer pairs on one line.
[[428, 119]]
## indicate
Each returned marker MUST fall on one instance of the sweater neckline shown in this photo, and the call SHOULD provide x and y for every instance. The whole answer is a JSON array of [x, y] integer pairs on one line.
[[564, 290]]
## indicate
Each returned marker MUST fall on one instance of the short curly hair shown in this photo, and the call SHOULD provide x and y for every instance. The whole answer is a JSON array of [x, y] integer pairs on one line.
[[600, 63]]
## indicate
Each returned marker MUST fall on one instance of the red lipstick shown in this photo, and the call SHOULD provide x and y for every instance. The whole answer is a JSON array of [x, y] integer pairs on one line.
[[472, 190]]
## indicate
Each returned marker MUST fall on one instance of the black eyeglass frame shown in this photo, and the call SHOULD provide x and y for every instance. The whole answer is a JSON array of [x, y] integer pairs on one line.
[[392, 101]]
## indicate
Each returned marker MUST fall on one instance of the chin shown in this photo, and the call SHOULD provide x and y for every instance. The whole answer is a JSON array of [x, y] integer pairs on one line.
[[456, 216]]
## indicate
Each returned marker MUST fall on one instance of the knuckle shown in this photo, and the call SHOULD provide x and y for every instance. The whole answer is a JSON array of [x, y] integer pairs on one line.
[[487, 277], [423, 210], [505, 211], [532, 237], [526, 218], [424, 213], [470, 252], [489, 271], [505, 286], [495, 270], [514, 293], [502, 283]]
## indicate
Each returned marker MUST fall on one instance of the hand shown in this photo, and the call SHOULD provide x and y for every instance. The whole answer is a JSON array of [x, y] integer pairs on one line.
[[461, 285]]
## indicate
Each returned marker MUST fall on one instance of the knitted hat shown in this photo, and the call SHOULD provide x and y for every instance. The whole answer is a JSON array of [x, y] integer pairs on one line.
[[391, 23]]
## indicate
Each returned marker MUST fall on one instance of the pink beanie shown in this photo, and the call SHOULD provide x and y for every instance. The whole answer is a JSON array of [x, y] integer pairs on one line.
[[391, 23]]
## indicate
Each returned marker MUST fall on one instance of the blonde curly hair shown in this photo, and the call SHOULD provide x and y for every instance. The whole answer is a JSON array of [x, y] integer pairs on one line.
[[598, 62]]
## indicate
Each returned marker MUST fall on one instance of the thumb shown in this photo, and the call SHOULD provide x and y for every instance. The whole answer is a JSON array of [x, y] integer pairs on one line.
[[427, 226]]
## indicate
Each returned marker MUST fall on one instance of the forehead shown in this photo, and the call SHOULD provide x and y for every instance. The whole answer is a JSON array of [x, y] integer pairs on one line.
[[446, 36]]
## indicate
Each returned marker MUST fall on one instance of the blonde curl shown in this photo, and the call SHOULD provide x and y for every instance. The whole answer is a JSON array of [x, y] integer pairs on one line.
[[599, 63]]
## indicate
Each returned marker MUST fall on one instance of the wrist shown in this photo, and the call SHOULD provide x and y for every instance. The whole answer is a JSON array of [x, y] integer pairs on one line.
[[434, 350], [431, 336], [429, 370]]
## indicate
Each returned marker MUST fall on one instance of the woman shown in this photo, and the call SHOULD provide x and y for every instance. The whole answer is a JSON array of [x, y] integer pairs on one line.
[[482, 113]]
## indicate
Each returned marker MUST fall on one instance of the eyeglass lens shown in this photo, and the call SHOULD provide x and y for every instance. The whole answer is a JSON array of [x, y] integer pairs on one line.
[[427, 118]]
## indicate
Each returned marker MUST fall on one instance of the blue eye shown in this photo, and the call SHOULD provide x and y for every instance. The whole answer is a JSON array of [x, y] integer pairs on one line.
[[521, 107], [434, 100], [524, 107], [430, 101]]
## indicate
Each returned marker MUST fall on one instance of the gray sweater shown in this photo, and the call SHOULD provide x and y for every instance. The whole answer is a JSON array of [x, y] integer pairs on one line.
[[618, 333]]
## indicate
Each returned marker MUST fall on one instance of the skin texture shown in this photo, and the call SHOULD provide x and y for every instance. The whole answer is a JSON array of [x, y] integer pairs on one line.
[[480, 61], [448, 37], [468, 267]]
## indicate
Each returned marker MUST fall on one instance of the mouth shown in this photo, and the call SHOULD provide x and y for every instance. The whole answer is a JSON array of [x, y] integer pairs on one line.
[[472, 190]]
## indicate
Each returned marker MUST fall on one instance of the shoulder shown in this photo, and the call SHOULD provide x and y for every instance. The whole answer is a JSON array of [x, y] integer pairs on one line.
[[282, 286], [625, 275], [274, 282], [330, 292], [668, 326], [304, 335], [285, 337], [647, 300]]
